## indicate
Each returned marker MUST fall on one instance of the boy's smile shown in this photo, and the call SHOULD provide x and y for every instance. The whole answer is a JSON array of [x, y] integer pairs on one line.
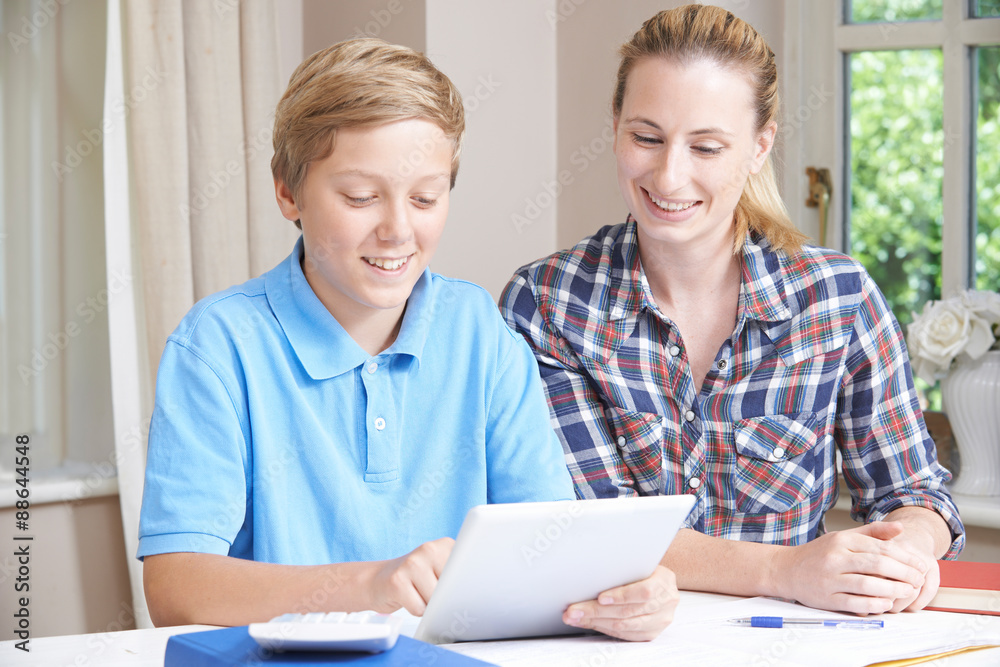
[[372, 213]]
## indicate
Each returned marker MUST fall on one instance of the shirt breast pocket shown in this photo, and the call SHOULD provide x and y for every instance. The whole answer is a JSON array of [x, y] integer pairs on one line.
[[639, 436], [776, 461]]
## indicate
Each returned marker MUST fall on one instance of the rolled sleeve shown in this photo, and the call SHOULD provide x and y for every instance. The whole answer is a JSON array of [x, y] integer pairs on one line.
[[890, 460]]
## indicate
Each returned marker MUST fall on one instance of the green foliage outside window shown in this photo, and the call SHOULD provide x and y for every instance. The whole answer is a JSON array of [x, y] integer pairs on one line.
[[987, 265], [871, 11], [987, 8], [897, 139]]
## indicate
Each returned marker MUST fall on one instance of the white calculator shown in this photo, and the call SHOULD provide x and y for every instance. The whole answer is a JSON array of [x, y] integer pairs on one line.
[[331, 631]]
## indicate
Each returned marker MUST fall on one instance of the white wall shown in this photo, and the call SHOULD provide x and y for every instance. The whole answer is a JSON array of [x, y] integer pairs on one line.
[[291, 38], [502, 57], [327, 22]]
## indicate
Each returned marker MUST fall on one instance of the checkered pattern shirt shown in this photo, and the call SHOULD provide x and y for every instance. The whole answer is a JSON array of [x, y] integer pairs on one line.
[[815, 366]]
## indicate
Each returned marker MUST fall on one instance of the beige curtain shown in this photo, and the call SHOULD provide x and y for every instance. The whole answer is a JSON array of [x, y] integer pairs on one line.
[[200, 83]]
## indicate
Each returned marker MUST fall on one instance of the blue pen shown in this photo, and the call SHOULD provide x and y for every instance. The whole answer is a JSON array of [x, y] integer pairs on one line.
[[779, 622]]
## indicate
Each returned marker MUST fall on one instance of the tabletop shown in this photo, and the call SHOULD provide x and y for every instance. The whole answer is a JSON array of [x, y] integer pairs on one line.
[[699, 635]]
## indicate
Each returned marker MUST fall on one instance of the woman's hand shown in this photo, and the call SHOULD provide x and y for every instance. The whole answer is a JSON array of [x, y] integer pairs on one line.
[[637, 612], [863, 571], [926, 535], [409, 581]]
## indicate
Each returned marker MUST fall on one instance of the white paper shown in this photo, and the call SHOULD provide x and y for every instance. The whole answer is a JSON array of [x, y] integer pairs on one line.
[[700, 635]]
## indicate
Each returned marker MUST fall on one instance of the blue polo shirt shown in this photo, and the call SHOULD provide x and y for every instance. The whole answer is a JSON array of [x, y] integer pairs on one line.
[[276, 438]]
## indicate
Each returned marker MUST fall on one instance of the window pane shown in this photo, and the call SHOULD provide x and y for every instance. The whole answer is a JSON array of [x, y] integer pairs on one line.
[[988, 169], [985, 8], [879, 11], [897, 140]]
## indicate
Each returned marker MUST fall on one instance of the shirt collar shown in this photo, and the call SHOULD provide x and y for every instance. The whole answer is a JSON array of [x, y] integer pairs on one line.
[[628, 289], [322, 345], [417, 320], [763, 288]]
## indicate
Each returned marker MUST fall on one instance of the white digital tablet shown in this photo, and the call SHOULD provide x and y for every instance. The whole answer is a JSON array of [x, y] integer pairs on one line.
[[516, 567]]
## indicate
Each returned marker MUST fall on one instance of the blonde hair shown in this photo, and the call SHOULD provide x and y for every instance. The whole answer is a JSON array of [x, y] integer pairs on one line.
[[359, 82], [697, 32]]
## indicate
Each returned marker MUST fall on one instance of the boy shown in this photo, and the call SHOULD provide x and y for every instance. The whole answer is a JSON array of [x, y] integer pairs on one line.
[[318, 429]]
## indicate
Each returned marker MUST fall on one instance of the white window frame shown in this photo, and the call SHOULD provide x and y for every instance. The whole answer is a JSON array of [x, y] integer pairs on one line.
[[817, 42]]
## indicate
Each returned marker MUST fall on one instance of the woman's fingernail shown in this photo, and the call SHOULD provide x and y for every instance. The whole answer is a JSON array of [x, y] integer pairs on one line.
[[605, 599], [575, 615]]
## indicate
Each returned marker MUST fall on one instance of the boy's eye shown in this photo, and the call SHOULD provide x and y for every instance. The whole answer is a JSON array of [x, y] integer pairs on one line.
[[425, 202], [360, 201]]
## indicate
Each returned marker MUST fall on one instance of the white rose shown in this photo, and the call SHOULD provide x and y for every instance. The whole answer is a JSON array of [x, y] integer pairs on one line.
[[937, 336], [984, 304]]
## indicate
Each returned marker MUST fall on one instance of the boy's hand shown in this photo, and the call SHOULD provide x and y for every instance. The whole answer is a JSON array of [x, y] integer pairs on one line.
[[863, 570], [409, 580], [636, 612]]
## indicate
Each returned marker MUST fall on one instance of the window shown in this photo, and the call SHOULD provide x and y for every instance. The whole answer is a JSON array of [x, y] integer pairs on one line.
[[987, 151], [54, 357], [921, 95]]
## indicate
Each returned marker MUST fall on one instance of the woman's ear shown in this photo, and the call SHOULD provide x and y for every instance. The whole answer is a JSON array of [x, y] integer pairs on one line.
[[765, 142], [286, 201]]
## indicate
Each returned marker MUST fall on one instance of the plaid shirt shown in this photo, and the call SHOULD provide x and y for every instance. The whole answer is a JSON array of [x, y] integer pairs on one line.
[[816, 365]]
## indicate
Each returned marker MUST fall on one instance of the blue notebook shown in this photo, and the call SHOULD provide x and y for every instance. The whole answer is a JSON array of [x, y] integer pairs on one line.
[[227, 647]]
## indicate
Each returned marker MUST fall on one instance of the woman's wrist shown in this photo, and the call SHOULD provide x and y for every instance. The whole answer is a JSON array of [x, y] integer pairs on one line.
[[777, 575]]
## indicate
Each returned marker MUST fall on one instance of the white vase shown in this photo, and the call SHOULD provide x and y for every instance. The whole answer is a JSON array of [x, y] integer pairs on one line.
[[971, 394]]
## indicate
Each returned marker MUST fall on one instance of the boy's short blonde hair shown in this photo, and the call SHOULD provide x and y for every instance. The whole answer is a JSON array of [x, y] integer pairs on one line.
[[359, 82]]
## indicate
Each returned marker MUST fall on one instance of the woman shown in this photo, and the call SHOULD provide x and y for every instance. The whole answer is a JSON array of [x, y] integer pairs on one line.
[[701, 348]]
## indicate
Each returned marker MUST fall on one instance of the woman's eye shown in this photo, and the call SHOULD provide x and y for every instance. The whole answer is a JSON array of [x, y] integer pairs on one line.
[[645, 139], [708, 150]]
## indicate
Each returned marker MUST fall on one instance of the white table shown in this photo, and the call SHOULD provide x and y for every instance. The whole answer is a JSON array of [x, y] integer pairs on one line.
[[146, 647]]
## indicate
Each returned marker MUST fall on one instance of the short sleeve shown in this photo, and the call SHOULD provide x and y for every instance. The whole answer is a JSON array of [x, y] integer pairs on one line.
[[523, 453], [195, 496]]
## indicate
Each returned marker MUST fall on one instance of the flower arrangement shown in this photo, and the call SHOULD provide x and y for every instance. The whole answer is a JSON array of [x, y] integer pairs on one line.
[[965, 325]]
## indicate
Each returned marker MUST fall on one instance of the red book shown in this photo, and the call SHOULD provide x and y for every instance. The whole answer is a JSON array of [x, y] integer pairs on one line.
[[968, 588]]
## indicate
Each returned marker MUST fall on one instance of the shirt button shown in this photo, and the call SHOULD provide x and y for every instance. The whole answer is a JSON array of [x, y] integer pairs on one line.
[[379, 423], [372, 367], [689, 415], [694, 483], [778, 452], [621, 441], [722, 364], [674, 350]]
